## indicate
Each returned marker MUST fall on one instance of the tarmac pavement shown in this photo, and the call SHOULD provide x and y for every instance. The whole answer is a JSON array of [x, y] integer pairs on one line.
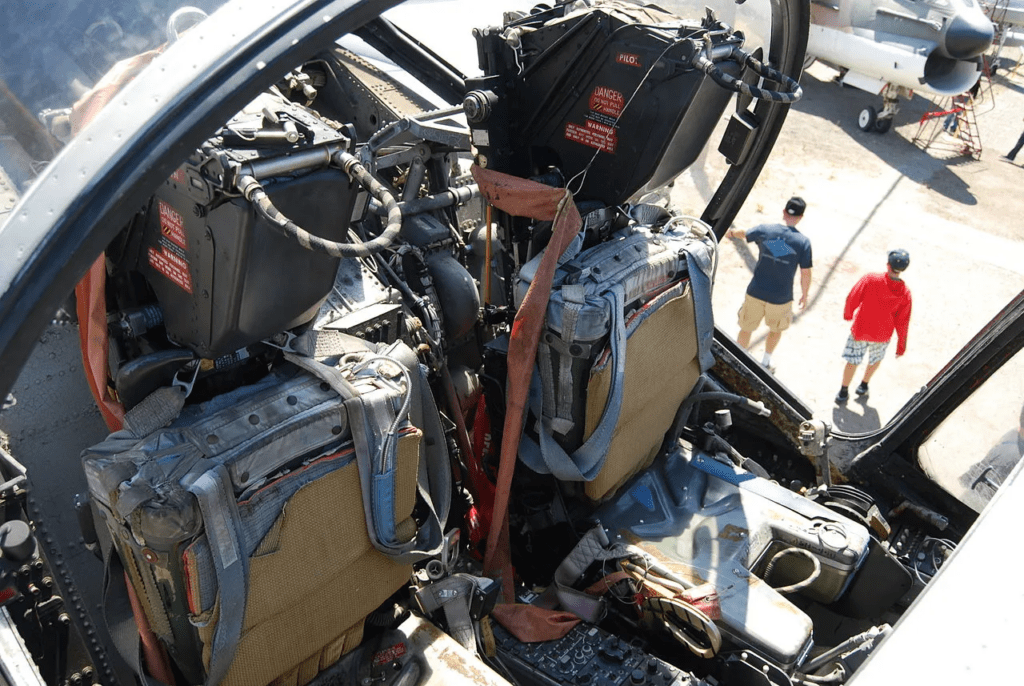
[[961, 219]]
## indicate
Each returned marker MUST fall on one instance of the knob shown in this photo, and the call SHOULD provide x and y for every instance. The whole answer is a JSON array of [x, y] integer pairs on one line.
[[637, 677], [613, 652], [478, 105], [16, 542]]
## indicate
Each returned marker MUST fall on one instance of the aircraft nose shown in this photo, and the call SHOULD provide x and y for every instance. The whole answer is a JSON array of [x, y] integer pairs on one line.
[[968, 36]]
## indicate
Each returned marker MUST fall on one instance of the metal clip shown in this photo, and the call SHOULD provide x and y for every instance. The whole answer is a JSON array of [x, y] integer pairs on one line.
[[283, 341], [440, 568], [183, 374]]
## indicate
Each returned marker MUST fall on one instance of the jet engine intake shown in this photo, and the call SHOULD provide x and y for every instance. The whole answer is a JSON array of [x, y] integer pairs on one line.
[[913, 63]]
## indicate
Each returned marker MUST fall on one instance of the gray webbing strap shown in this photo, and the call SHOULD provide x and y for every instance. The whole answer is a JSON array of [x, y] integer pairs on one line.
[[699, 264], [592, 547], [157, 410], [379, 492], [217, 504], [574, 297], [434, 480], [546, 456], [546, 367], [378, 484], [452, 594]]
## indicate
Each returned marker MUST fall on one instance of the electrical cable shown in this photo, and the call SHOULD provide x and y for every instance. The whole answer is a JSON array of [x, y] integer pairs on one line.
[[791, 94], [836, 676], [800, 585], [255, 193], [403, 411]]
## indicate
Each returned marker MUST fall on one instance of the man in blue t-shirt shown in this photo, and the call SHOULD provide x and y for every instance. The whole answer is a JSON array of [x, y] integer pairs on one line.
[[769, 296]]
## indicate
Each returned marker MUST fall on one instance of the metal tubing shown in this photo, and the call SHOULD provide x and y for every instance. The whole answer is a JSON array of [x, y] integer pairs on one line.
[[823, 659], [452, 196], [307, 159]]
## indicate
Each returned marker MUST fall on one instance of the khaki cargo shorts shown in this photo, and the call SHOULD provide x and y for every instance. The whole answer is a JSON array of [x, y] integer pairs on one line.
[[777, 317]]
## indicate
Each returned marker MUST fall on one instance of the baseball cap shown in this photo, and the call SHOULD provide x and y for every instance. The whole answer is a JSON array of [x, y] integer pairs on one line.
[[899, 259], [796, 206]]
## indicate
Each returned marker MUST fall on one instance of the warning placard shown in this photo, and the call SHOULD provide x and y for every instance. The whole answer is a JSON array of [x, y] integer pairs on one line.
[[593, 134], [387, 655], [173, 266], [171, 224], [607, 101]]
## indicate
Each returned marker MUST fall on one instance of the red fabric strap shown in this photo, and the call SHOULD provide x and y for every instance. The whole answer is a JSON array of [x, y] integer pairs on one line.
[[522, 198], [154, 655], [531, 624], [91, 304]]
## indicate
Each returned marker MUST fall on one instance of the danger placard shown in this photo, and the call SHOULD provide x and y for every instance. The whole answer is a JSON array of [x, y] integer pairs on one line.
[[171, 224], [607, 101], [172, 266], [593, 134], [179, 175]]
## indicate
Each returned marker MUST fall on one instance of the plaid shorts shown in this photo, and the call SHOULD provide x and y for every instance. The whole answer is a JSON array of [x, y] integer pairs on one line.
[[854, 351]]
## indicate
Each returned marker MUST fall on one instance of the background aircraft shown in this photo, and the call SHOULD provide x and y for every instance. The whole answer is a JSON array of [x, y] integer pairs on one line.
[[1008, 18], [894, 47]]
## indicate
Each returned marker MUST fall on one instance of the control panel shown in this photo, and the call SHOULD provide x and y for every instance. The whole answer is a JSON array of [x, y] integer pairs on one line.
[[586, 656]]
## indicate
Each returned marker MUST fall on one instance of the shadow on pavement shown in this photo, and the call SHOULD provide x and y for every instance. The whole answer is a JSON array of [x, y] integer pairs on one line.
[[855, 416], [841, 105]]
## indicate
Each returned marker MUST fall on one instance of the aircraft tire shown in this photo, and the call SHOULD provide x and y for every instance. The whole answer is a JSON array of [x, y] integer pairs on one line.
[[866, 119], [883, 125]]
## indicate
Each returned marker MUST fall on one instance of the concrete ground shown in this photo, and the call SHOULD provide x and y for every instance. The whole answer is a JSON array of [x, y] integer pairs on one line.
[[961, 219]]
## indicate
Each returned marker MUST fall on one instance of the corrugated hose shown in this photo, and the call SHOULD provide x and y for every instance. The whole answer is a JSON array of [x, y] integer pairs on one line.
[[255, 193]]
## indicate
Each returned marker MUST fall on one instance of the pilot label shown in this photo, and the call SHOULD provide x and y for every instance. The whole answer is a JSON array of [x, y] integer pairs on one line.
[[629, 59], [593, 134]]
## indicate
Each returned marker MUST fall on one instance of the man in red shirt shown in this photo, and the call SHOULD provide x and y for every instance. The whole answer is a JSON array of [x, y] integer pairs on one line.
[[882, 305]]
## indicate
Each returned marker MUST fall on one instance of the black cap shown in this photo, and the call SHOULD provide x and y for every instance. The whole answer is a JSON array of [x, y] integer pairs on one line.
[[796, 206], [899, 259]]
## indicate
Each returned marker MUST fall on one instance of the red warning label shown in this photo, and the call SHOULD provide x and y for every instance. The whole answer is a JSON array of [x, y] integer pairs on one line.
[[628, 59], [607, 101], [173, 266], [593, 135], [179, 175], [387, 655], [171, 224]]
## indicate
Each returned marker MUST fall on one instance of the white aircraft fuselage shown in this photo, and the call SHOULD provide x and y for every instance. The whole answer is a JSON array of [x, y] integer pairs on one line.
[[922, 45]]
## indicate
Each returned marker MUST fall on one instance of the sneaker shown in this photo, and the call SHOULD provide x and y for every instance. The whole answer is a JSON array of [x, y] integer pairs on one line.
[[842, 396], [862, 389], [1006, 158]]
